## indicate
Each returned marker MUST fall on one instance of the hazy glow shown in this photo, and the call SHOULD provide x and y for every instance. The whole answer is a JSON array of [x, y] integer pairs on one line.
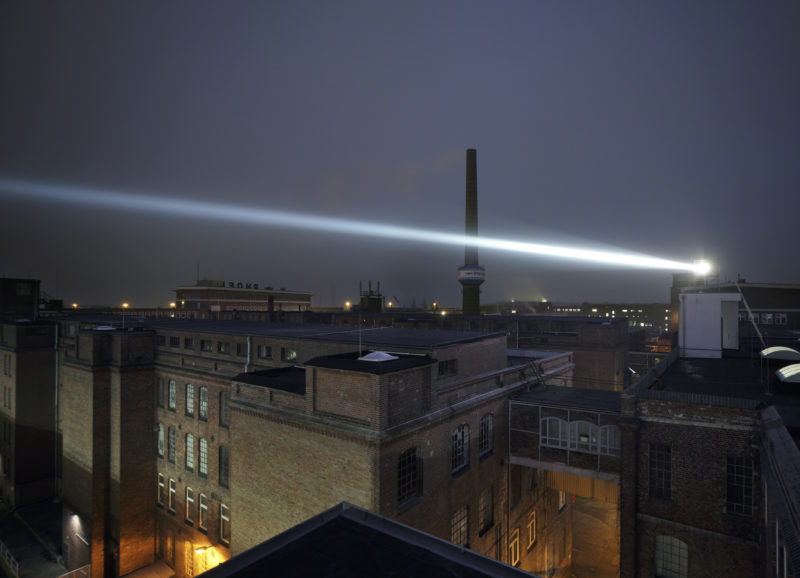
[[255, 216]]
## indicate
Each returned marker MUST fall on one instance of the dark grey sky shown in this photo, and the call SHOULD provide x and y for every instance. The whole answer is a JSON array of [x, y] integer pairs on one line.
[[670, 128]]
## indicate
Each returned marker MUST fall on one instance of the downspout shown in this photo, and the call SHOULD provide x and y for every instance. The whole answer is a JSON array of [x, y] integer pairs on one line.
[[55, 418], [249, 345]]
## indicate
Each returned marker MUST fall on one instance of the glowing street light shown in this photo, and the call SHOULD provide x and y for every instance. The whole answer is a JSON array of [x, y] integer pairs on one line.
[[125, 305], [74, 305], [347, 305]]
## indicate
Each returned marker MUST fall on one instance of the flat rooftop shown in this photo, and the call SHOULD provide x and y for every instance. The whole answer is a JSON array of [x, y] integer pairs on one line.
[[726, 377], [376, 337], [572, 398], [354, 362], [291, 379]]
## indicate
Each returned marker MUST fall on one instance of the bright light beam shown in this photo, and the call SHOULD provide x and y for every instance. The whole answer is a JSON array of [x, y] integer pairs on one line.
[[251, 215]]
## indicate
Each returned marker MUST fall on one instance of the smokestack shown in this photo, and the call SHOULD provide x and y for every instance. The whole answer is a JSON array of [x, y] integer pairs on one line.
[[471, 275]]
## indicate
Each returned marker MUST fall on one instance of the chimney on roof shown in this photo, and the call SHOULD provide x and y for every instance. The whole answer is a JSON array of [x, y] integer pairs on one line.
[[471, 275]]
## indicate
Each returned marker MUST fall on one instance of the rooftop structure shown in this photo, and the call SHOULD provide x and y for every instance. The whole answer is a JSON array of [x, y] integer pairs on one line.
[[471, 275]]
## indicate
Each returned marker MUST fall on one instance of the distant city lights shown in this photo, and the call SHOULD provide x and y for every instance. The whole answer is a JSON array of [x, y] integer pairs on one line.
[[255, 216]]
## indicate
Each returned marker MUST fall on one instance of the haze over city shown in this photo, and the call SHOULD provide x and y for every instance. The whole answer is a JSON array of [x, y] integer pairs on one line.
[[670, 130]]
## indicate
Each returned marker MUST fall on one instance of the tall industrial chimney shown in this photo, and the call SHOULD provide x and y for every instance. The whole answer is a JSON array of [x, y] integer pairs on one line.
[[471, 275]]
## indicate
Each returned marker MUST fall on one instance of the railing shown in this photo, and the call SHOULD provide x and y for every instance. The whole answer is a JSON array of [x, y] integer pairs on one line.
[[82, 572], [9, 560]]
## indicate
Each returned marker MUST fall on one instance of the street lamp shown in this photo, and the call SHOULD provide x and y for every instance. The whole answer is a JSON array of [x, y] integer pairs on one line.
[[125, 305], [74, 305]]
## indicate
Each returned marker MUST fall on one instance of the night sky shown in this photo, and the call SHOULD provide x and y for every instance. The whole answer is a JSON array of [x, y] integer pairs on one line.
[[668, 128]]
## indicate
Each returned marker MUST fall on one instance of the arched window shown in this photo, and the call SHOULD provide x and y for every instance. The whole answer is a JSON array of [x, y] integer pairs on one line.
[[672, 558], [583, 436], [409, 475], [554, 432]]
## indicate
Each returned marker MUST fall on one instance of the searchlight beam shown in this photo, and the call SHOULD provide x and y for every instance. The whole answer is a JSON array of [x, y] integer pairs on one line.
[[255, 216]]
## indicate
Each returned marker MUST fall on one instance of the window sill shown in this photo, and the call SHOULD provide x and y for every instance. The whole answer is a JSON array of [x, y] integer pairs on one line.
[[486, 455], [486, 529], [189, 522], [460, 471], [408, 503]]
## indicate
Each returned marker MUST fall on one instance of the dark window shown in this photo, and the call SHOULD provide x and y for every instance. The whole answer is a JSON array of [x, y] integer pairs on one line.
[[739, 495], [174, 341], [409, 475], [160, 392], [224, 465], [205, 345], [486, 435], [264, 352], [241, 349], [448, 367], [190, 452], [188, 343], [660, 471], [460, 448], [486, 509], [173, 394], [161, 340], [224, 411], [223, 347]]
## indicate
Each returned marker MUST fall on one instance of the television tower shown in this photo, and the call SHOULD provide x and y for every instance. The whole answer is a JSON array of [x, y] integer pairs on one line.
[[471, 275]]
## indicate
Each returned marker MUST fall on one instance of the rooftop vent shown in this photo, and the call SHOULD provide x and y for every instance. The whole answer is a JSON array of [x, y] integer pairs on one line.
[[378, 356]]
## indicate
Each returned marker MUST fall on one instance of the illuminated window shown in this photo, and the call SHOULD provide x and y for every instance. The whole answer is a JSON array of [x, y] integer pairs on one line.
[[189, 452], [459, 527], [173, 389], [486, 509], [189, 504], [224, 412], [409, 475], [203, 403], [672, 558], [531, 528], [486, 435], [739, 494], [459, 454], [171, 441], [513, 547], [202, 512], [288, 354], [171, 497], [660, 471], [161, 440], [224, 466], [223, 347], [202, 464], [189, 399], [224, 524], [160, 490], [766, 318]]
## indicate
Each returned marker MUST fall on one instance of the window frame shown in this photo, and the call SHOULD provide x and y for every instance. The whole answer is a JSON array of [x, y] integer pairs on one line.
[[160, 489], [189, 505], [171, 496], [202, 512], [659, 471], [202, 410], [409, 475], [224, 524], [172, 401], [670, 557], [224, 409], [189, 390], [486, 509], [739, 486], [172, 441], [189, 454], [486, 435], [202, 457], [459, 448], [224, 466], [513, 548], [459, 526], [161, 440]]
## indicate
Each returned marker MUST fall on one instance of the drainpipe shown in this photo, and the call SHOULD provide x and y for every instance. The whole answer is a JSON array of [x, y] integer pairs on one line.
[[55, 418], [249, 345]]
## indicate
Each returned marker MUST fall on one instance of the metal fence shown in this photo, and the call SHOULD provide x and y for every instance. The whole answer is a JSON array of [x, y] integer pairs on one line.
[[10, 562], [82, 572]]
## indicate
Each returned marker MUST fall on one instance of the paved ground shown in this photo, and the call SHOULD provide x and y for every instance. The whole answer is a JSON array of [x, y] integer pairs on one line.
[[595, 542], [19, 531]]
